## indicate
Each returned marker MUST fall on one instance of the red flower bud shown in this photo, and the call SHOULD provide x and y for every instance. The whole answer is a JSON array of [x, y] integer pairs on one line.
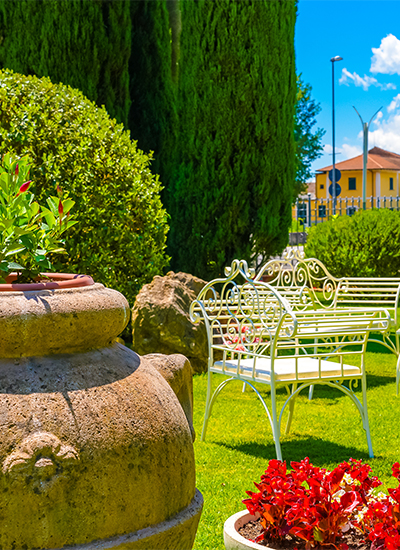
[[16, 170], [24, 187], [60, 208]]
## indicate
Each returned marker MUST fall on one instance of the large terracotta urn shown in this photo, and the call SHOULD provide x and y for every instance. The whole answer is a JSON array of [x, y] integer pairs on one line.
[[95, 449]]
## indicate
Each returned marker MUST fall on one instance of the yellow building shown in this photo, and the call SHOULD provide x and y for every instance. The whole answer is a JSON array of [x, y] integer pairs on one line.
[[383, 180], [383, 188]]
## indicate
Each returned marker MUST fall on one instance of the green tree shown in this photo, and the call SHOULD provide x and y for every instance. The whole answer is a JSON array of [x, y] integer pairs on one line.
[[152, 117], [83, 44], [308, 141], [231, 193]]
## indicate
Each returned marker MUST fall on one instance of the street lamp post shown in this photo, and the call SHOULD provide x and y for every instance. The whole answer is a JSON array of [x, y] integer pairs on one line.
[[365, 127], [333, 59]]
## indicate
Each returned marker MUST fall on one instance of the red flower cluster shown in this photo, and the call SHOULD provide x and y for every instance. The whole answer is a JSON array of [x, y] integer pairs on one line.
[[382, 519], [318, 506]]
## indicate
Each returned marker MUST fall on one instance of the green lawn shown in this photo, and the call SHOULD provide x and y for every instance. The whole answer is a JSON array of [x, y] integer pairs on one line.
[[327, 429]]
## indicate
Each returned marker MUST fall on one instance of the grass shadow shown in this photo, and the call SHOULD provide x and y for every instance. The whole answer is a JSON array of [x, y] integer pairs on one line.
[[318, 450], [374, 347], [373, 381]]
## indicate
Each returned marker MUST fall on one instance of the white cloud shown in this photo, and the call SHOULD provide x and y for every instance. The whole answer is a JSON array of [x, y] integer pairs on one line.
[[388, 86], [357, 80], [387, 135], [364, 82], [349, 151], [395, 103], [386, 58], [346, 151]]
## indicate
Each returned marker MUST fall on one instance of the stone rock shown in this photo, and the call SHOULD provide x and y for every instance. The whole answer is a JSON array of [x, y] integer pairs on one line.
[[161, 322]]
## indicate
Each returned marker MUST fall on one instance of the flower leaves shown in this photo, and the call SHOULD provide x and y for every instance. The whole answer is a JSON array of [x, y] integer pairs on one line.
[[317, 505], [28, 232]]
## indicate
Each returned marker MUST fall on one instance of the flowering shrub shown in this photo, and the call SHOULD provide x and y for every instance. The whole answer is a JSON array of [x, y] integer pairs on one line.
[[28, 231], [318, 506]]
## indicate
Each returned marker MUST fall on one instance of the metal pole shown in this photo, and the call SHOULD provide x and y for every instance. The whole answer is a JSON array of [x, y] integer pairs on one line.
[[365, 158], [333, 140], [333, 59]]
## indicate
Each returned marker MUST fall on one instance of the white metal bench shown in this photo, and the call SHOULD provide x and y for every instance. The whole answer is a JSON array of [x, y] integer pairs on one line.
[[324, 291], [255, 336]]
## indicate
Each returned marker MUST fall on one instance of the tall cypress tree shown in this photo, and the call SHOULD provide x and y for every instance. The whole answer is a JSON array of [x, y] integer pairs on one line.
[[83, 44], [231, 193], [152, 117]]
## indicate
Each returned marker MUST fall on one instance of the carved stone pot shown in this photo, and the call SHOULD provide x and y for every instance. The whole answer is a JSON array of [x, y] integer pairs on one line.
[[95, 448]]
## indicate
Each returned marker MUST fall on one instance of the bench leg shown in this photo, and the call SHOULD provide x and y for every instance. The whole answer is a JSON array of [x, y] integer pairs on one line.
[[208, 403], [275, 425], [365, 417], [398, 363], [291, 409], [311, 388]]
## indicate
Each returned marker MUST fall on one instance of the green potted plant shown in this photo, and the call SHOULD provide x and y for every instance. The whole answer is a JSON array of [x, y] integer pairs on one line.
[[29, 232], [313, 508]]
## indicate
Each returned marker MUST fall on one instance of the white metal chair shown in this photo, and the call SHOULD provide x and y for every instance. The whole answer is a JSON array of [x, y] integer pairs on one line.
[[254, 336]]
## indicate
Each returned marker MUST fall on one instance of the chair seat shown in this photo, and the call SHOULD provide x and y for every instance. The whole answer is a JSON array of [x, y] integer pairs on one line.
[[307, 368]]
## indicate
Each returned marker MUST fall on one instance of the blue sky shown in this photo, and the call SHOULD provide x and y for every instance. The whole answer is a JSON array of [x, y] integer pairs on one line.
[[366, 33]]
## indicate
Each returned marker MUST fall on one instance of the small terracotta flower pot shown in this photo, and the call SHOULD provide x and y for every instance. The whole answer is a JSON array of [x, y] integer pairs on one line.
[[57, 280]]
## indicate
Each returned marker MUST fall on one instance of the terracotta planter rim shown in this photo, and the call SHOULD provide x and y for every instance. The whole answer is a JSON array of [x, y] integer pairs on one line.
[[59, 280]]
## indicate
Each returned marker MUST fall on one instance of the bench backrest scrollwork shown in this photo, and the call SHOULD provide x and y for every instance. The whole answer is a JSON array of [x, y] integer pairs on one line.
[[242, 314]]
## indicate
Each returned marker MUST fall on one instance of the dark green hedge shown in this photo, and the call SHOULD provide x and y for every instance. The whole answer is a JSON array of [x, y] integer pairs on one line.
[[231, 192], [120, 238], [152, 117], [86, 45], [364, 245]]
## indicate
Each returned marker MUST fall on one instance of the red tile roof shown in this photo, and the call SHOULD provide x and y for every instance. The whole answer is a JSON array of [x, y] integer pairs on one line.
[[378, 159]]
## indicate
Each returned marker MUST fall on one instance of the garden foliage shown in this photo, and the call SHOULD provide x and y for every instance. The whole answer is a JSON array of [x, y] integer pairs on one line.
[[209, 87], [231, 193], [320, 506], [152, 117], [120, 237], [84, 44], [365, 245]]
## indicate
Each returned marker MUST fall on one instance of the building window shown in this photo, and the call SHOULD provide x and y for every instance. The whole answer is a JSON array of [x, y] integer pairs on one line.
[[352, 184], [322, 211], [302, 212], [391, 184], [321, 185]]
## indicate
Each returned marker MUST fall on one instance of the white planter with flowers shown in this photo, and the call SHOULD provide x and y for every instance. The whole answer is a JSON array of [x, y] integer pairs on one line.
[[233, 540]]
